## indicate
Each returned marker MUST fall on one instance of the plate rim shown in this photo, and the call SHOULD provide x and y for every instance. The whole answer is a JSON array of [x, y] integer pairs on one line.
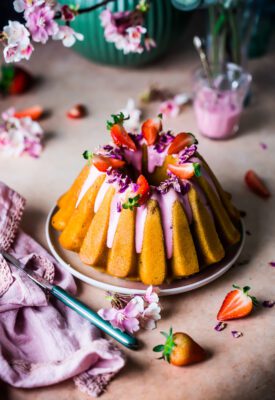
[[120, 289]]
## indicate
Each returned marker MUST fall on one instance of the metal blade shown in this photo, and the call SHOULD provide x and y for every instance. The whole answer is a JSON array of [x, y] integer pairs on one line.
[[43, 283]]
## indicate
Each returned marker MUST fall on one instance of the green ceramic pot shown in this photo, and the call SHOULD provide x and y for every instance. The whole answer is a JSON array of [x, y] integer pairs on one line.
[[163, 22]]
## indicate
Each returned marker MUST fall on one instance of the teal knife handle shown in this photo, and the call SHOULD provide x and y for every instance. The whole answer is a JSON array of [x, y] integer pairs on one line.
[[83, 310]]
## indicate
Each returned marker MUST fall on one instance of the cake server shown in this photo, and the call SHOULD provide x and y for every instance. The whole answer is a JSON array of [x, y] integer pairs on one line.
[[75, 304]]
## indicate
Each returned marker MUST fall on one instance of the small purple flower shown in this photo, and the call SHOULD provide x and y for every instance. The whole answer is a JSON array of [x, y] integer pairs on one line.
[[272, 263], [187, 153], [220, 326], [164, 140], [40, 21], [268, 303], [236, 334], [174, 182], [119, 207]]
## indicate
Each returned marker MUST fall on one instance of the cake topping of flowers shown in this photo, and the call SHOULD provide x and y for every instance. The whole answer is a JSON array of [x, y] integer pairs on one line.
[[186, 170], [151, 128], [163, 141], [119, 133], [180, 186], [181, 141], [186, 153], [141, 193]]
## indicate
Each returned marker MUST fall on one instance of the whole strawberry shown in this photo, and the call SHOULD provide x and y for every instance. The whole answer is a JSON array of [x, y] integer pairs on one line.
[[180, 349], [14, 80]]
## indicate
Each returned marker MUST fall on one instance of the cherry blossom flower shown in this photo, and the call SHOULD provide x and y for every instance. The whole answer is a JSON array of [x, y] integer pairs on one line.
[[169, 108], [129, 313], [150, 315], [40, 22], [118, 30], [20, 136], [67, 35], [172, 107], [125, 319], [22, 5], [131, 124], [151, 295], [18, 44]]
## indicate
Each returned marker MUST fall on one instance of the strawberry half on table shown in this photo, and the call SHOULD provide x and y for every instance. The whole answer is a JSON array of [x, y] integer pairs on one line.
[[14, 80], [255, 184], [237, 304], [182, 140], [34, 112], [119, 133], [151, 128]]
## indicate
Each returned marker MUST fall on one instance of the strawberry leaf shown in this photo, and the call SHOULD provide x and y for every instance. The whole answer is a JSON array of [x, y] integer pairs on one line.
[[117, 119], [158, 348], [88, 155], [197, 169], [132, 202]]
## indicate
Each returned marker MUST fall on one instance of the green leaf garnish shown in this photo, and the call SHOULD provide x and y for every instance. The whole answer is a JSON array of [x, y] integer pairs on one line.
[[117, 119], [132, 202], [245, 290], [197, 169], [167, 347], [88, 155]]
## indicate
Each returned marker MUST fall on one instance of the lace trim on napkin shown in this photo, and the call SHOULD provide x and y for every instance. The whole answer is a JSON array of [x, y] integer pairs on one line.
[[6, 278], [93, 385], [9, 230]]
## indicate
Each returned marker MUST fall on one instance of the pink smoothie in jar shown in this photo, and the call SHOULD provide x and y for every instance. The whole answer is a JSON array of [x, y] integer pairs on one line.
[[217, 112], [218, 102]]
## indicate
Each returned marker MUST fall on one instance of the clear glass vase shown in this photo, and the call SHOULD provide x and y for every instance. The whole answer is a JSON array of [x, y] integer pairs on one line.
[[218, 104]]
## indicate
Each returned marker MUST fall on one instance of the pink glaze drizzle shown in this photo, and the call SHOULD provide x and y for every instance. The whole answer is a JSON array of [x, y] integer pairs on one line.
[[134, 158], [113, 221], [101, 194], [155, 159], [94, 173], [141, 214]]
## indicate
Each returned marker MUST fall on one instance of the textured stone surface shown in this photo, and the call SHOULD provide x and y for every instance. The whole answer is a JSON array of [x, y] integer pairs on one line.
[[236, 368]]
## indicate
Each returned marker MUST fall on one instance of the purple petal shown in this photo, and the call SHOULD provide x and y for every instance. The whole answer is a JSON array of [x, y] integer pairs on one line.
[[263, 145], [236, 334], [272, 263], [268, 303], [220, 326], [119, 207]]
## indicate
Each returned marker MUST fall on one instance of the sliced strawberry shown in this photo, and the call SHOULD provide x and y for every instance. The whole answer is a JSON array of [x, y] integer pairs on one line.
[[181, 141], [150, 130], [237, 304], [103, 163], [121, 137], [76, 112], [186, 170], [256, 184], [34, 113], [143, 189]]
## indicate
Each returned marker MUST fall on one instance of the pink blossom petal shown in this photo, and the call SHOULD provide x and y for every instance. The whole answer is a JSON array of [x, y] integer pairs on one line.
[[236, 334], [151, 295], [220, 326], [134, 307]]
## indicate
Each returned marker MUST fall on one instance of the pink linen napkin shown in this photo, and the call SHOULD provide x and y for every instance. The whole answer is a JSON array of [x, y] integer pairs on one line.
[[42, 341]]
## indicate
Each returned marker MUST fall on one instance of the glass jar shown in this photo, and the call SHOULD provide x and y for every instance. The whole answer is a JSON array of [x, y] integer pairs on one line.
[[218, 104]]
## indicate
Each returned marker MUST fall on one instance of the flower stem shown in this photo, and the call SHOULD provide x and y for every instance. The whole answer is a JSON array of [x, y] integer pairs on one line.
[[94, 7]]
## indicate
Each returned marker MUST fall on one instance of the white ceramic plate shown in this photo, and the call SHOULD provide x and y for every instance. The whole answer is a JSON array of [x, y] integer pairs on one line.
[[71, 262]]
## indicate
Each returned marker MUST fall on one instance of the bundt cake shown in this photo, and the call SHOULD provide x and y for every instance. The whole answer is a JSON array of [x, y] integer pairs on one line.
[[147, 207]]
